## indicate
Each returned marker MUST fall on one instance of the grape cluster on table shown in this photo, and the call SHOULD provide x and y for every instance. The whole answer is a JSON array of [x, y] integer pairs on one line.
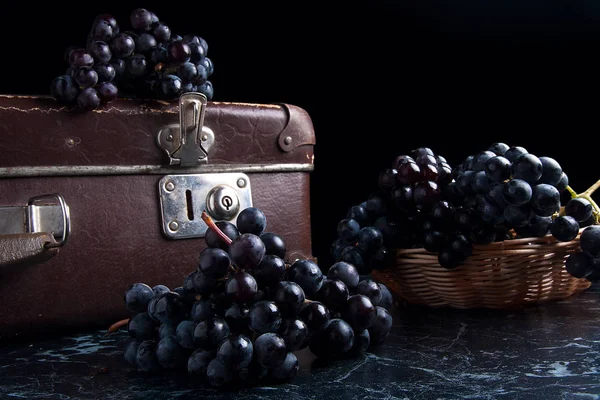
[[241, 315], [501, 193], [147, 62]]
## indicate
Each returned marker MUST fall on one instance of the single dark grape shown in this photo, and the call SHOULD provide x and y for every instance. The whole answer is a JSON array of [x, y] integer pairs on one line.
[[514, 152], [387, 179], [64, 89], [100, 51], [215, 241], [314, 314], [146, 360], [218, 374], [251, 220], [335, 339], [564, 228], [169, 353], [106, 72], [545, 199], [202, 310], [214, 262], [179, 52], [333, 294], [140, 19], [264, 317], [122, 45], [527, 167], [551, 171], [497, 169], [161, 32], [517, 192], [88, 99], [199, 360], [562, 183], [236, 352], [85, 77], [449, 259], [434, 241], [579, 264], [270, 350], [145, 43], [208, 65], [381, 326], [369, 288], [107, 92], [369, 239], [202, 284], [499, 148], [307, 274], [274, 244], [359, 214], [141, 327], [241, 287], [103, 30], [578, 208], [209, 333], [481, 183], [197, 52], [294, 333], [387, 300], [157, 290], [246, 251], [270, 271], [289, 298], [590, 240], [426, 193], [207, 89], [131, 350], [287, 370], [409, 173], [137, 65], [170, 307], [359, 312], [237, 318], [489, 212], [442, 213], [187, 72], [480, 160]]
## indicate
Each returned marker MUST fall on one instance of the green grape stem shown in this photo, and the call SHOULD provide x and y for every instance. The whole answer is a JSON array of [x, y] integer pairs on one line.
[[588, 196]]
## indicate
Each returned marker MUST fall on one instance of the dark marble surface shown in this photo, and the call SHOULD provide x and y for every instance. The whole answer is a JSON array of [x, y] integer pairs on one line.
[[543, 352]]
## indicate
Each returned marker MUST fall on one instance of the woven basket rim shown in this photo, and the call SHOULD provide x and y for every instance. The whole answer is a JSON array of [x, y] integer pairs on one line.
[[507, 245]]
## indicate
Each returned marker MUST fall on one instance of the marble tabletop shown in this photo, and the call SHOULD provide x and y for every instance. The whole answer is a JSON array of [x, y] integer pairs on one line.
[[541, 352]]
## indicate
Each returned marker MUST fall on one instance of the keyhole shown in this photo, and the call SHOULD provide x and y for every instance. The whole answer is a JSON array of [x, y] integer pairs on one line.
[[227, 202], [189, 204]]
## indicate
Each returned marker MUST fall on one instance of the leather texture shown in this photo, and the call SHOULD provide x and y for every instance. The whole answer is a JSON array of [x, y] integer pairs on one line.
[[26, 248], [116, 229], [126, 133]]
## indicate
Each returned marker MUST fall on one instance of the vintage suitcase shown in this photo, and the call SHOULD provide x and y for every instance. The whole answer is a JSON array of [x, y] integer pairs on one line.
[[92, 202]]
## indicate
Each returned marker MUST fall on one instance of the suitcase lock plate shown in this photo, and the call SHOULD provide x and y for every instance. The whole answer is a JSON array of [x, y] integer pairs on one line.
[[183, 198], [187, 143]]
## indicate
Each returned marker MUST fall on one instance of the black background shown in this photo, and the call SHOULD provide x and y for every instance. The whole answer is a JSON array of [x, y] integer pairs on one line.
[[378, 78]]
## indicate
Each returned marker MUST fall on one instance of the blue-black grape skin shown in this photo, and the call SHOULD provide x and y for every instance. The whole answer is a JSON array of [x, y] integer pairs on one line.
[[545, 199], [497, 169], [146, 360], [590, 240], [360, 312], [270, 271], [289, 298], [265, 317], [137, 297], [236, 352], [251, 220], [579, 264], [564, 228], [578, 208], [369, 288], [381, 326], [307, 274], [287, 370], [247, 251], [169, 353], [514, 152], [517, 192], [333, 294], [551, 171], [295, 334], [274, 244], [270, 350], [499, 148], [88, 99], [198, 361]]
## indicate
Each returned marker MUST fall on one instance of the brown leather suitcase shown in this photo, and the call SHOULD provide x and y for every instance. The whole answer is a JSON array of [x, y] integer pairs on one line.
[[129, 182]]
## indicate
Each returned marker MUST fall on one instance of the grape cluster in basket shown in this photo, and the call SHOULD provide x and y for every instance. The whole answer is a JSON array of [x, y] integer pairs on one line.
[[241, 315], [148, 61], [501, 193]]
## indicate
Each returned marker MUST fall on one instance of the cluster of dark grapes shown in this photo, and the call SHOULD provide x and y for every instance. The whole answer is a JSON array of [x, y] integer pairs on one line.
[[244, 312], [498, 194], [585, 263], [146, 62], [407, 193]]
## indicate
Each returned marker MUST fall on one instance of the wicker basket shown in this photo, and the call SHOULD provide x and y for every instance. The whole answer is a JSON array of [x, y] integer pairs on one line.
[[509, 274]]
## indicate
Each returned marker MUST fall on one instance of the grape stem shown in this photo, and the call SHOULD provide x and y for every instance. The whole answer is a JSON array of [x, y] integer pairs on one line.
[[588, 196], [115, 327], [211, 224]]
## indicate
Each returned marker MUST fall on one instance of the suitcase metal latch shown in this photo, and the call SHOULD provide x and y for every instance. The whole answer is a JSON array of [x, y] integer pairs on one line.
[[47, 213], [187, 143]]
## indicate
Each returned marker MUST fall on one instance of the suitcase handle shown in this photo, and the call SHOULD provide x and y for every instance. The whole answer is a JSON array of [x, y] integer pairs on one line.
[[27, 248], [35, 232]]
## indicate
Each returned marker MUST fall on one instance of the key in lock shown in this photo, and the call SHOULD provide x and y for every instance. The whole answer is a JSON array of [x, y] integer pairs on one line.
[[222, 202]]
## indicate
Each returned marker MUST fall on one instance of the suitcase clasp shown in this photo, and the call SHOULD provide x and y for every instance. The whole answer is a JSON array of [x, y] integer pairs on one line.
[[188, 142], [47, 213]]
